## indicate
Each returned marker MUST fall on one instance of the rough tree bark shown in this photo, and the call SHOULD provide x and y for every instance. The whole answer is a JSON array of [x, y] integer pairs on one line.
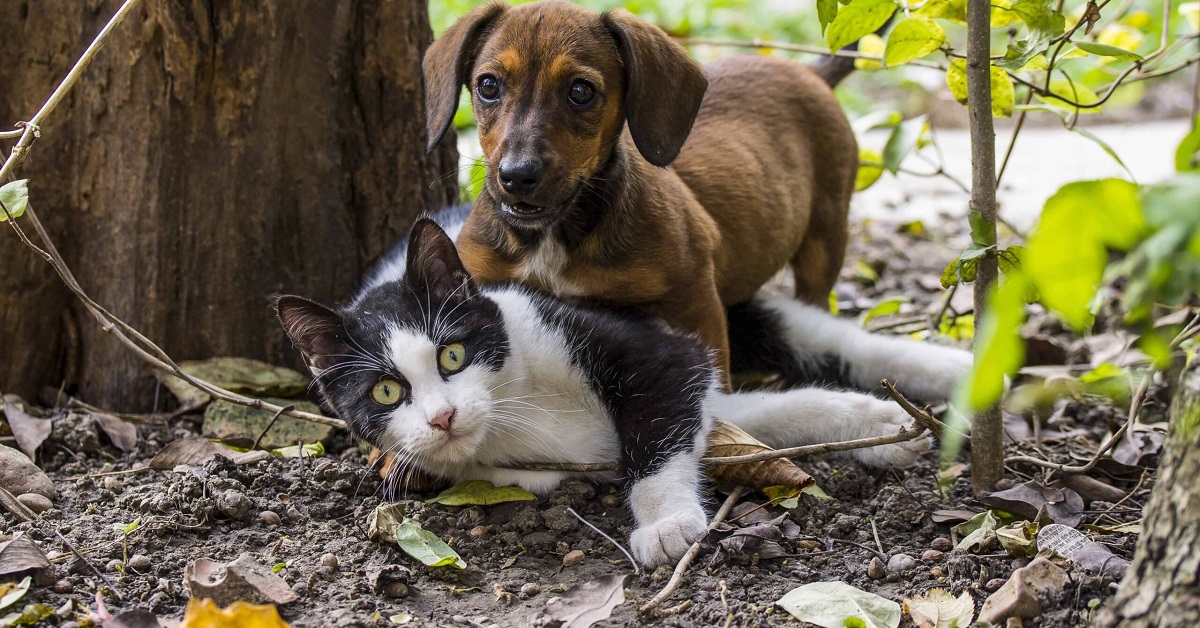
[[215, 153], [1162, 588]]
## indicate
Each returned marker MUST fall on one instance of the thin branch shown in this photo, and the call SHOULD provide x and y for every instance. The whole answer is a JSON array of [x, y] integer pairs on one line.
[[693, 551], [637, 570], [777, 45]]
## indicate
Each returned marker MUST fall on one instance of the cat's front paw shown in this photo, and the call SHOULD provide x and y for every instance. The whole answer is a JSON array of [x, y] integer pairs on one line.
[[934, 376], [664, 541], [885, 418]]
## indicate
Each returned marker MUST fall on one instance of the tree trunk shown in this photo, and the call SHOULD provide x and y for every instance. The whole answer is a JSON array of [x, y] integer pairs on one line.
[[1163, 585], [216, 153]]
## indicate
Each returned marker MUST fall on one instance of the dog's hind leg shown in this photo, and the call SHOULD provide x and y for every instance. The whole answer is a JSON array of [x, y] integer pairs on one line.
[[819, 259]]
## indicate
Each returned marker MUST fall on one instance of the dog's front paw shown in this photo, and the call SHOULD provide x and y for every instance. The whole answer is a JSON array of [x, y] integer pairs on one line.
[[883, 418], [664, 541]]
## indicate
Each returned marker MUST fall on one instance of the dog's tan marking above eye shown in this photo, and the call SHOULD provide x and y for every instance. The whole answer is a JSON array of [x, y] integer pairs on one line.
[[510, 60]]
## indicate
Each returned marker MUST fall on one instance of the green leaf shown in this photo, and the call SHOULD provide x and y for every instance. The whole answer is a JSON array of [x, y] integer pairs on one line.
[[12, 592], [869, 169], [1068, 251], [1106, 50], [1072, 91], [901, 142], [1187, 156], [1040, 17], [1003, 95], [858, 18], [15, 196], [481, 493], [426, 547], [123, 529], [999, 349], [875, 120], [954, 11], [1009, 259], [983, 232], [836, 604], [886, 307], [278, 567], [870, 44], [827, 10], [913, 38]]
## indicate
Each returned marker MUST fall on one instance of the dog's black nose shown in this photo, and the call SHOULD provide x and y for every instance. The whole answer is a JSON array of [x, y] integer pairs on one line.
[[520, 176]]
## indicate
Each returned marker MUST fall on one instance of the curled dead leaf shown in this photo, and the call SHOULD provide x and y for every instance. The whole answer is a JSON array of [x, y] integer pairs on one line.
[[728, 439], [197, 451], [585, 604], [123, 435], [30, 431]]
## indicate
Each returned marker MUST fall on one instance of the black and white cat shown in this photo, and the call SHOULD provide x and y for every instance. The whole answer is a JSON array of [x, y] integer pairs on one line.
[[462, 382]]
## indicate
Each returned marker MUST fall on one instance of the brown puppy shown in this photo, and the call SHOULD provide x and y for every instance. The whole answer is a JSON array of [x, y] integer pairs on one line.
[[595, 189]]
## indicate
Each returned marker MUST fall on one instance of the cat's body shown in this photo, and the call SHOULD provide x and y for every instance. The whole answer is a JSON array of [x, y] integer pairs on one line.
[[491, 378]]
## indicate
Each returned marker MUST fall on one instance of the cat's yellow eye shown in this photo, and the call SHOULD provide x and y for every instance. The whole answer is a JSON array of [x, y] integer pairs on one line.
[[389, 392], [452, 357]]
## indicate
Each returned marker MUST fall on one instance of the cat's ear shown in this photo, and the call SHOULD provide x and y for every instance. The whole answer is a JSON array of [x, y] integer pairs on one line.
[[317, 331], [434, 266]]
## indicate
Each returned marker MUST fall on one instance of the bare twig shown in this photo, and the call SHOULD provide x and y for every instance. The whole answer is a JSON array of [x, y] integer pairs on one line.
[[875, 533], [271, 424], [922, 417], [87, 562], [693, 551], [637, 570]]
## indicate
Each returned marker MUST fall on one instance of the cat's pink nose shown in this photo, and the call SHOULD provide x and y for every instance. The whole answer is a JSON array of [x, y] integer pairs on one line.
[[441, 421]]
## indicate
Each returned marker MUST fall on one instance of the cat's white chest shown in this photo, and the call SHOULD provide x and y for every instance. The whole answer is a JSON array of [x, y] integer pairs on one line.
[[545, 266]]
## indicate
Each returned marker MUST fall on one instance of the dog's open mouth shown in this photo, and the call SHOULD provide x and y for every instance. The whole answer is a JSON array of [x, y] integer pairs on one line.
[[525, 211]]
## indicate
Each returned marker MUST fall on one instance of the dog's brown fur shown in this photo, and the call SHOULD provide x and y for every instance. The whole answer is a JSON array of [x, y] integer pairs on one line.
[[763, 179]]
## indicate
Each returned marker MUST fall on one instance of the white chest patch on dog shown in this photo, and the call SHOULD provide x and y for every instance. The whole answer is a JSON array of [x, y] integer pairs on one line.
[[545, 268]]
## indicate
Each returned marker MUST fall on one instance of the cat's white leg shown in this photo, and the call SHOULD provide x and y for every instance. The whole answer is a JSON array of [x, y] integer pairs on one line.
[[920, 369], [807, 416], [666, 507]]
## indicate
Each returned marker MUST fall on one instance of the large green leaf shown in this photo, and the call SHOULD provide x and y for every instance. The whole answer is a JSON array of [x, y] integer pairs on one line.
[[913, 38], [1068, 251], [15, 196], [481, 493], [1074, 92], [856, 19], [869, 169], [999, 349], [426, 547], [1187, 155]]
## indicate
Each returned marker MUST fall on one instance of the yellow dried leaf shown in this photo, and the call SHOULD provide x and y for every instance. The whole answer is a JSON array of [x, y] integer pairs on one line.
[[205, 614], [728, 439]]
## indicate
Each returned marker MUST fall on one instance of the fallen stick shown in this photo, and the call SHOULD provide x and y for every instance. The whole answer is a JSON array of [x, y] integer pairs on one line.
[[693, 551]]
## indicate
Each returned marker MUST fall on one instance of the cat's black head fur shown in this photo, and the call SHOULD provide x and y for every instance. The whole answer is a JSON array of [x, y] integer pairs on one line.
[[348, 350]]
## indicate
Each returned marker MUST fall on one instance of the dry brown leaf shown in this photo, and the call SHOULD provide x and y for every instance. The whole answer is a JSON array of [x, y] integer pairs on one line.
[[19, 555], [205, 614], [937, 608], [585, 604], [122, 434], [29, 430], [197, 451], [728, 439]]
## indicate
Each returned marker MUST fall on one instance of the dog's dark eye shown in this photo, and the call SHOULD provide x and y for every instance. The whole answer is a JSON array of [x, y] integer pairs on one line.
[[488, 88], [582, 93]]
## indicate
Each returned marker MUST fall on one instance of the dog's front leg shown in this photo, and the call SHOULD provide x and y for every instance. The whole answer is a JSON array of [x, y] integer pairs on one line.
[[704, 314]]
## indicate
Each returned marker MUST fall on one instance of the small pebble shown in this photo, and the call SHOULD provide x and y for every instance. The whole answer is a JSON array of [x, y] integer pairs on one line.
[[994, 584], [876, 569], [35, 502], [932, 555], [294, 515], [269, 517], [330, 561], [937, 572], [395, 590], [610, 501], [460, 619], [139, 562], [899, 563], [809, 544], [300, 589], [234, 504], [113, 484], [942, 544], [113, 565], [530, 589], [477, 532], [573, 557], [1003, 484], [563, 547], [63, 586]]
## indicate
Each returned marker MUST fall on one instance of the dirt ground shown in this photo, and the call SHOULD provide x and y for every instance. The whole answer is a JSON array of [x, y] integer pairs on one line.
[[514, 552]]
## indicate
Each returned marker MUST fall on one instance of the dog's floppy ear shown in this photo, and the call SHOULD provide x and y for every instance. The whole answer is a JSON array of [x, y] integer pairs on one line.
[[447, 66], [663, 86]]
